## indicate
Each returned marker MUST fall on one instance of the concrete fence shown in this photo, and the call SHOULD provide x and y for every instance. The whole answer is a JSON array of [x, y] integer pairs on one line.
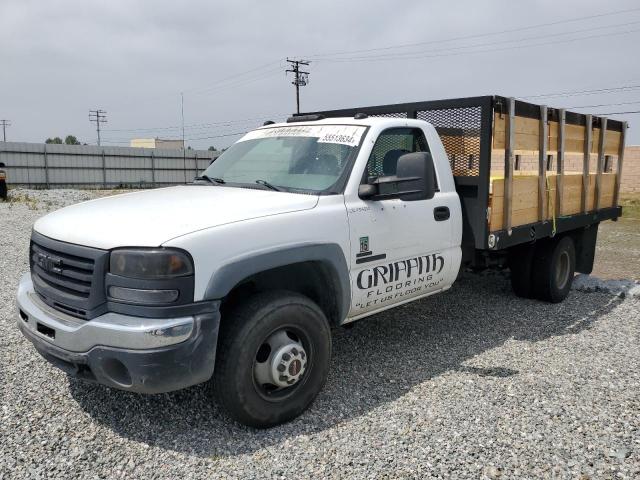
[[38, 165]]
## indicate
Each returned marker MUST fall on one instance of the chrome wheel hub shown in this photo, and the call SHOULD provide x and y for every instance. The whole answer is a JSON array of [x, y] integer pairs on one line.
[[281, 361], [288, 365]]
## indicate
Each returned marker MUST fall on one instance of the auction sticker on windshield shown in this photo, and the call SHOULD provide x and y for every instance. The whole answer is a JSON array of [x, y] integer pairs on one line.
[[341, 134]]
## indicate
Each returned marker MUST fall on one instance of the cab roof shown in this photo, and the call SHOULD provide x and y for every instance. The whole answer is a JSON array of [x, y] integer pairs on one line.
[[366, 121]]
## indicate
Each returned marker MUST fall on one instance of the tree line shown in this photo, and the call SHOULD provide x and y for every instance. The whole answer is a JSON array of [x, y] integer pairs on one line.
[[68, 140]]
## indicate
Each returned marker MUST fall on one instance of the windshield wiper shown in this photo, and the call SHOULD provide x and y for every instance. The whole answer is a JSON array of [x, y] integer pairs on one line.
[[210, 179], [268, 185]]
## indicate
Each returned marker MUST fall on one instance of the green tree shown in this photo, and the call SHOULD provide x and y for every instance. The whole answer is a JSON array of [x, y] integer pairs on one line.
[[55, 140], [71, 140], [212, 148]]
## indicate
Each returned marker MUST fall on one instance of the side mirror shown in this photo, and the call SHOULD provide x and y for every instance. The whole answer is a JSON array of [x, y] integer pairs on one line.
[[367, 191], [416, 173], [414, 180]]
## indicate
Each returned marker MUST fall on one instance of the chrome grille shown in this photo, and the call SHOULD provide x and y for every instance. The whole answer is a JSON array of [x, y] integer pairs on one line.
[[68, 273], [68, 277]]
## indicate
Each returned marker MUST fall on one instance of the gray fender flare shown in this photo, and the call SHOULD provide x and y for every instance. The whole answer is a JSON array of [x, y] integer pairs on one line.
[[329, 254]]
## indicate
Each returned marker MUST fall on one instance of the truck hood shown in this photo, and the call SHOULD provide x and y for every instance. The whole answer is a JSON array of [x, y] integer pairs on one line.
[[151, 217]]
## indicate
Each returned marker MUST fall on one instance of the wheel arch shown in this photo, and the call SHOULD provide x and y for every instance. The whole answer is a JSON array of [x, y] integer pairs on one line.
[[318, 271]]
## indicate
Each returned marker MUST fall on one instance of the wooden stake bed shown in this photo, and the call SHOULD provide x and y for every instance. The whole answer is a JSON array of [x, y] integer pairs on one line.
[[503, 204], [516, 199], [524, 202]]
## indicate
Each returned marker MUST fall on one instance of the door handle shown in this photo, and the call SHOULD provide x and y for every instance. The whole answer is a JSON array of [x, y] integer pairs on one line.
[[441, 214]]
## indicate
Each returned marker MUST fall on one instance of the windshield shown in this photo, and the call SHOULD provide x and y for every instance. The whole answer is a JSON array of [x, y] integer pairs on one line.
[[303, 157]]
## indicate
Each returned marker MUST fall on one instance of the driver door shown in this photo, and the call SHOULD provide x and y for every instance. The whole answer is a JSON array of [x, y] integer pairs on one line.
[[400, 249]]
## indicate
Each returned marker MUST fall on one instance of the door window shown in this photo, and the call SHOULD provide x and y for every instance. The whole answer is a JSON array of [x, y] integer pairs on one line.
[[390, 145]]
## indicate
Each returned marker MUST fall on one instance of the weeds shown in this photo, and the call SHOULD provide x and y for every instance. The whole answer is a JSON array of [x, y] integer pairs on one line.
[[20, 197]]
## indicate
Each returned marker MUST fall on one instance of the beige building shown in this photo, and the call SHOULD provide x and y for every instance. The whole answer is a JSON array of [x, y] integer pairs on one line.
[[156, 143], [631, 170]]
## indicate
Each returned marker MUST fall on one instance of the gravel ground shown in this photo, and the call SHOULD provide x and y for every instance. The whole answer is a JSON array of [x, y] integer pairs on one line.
[[474, 383]]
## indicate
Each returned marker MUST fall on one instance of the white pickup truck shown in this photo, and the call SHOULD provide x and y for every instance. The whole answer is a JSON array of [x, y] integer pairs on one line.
[[239, 277]]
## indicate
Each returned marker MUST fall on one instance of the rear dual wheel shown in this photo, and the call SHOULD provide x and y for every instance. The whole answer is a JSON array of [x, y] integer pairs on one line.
[[545, 270], [273, 358]]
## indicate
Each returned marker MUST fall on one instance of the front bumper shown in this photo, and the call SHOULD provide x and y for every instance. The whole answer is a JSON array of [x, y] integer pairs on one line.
[[144, 355]]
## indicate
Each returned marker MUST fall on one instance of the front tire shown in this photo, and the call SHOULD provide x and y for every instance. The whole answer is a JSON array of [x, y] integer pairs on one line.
[[554, 268], [273, 358]]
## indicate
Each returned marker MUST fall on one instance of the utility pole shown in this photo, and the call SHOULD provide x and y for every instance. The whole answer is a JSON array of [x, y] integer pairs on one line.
[[98, 116], [182, 116], [300, 78], [5, 124], [184, 147]]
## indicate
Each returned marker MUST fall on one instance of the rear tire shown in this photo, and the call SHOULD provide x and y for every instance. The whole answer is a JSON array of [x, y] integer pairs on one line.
[[553, 269], [258, 339], [521, 266]]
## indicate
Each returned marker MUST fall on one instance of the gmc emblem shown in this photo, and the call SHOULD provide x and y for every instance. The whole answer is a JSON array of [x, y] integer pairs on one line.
[[48, 263]]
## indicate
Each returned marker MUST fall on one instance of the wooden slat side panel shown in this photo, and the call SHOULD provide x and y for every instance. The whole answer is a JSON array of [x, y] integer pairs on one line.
[[527, 133], [611, 142], [527, 136], [525, 197]]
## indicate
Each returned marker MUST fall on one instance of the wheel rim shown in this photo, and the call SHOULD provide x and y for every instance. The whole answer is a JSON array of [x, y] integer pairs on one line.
[[562, 270], [281, 363]]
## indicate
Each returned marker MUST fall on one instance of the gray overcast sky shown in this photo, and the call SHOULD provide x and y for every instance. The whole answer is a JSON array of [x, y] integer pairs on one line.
[[60, 58]]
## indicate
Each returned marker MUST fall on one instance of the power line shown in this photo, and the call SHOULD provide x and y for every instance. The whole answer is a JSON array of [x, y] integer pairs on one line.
[[264, 71], [467, 37], [429, 54], [573, 93], [5, 124], [219, 136], [605, 105], [236, 75], [246, 125], [619, 113], [98, 116], [418, 54], [300, 78], [197, 125], [196, 134], [241, 82], [197, 138]]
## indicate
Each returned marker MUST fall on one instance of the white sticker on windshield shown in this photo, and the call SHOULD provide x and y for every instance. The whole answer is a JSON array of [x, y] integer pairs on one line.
[[342, 134]]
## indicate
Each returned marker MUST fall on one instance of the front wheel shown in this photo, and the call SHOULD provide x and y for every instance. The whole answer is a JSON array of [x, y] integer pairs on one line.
[[273, 358]]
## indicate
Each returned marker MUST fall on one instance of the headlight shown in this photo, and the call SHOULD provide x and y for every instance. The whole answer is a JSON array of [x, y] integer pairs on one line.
[[150, 263]]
